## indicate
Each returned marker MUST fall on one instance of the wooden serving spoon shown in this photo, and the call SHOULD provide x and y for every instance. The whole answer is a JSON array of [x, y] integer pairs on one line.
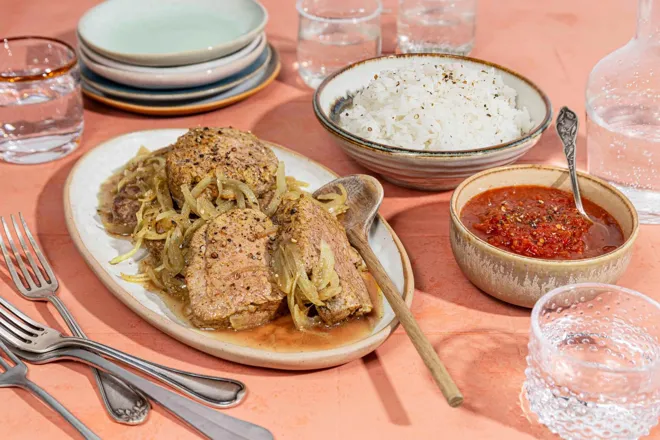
[[365, 195]]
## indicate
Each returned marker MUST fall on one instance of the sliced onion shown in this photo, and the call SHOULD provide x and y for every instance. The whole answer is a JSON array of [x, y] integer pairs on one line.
[[336, 203], [219, 177], [205, 208], [154, 236], [169, 214], [201, 186], [163, 193], [153, 277], [191, 230], [129, 254], [139, 278], [322, 272], [189, 199], [280, 190], [174, 253], [243, 188], [224, 206], [240, 200]]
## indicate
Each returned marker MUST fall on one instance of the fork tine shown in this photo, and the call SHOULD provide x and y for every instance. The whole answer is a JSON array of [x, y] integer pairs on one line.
[[37, 250], [19, 259], [16, 326], [11, 337], [24, 321], [10, 265], [35, 267], [10, 354], [4, 363]]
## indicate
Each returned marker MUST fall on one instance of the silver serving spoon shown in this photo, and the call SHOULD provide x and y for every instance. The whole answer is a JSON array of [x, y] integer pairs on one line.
[[567, 126]]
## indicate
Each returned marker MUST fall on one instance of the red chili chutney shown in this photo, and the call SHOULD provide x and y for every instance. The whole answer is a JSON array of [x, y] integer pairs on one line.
[[541, 222]]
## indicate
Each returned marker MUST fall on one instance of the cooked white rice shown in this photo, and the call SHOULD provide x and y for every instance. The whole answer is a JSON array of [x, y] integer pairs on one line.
[[437, 107]]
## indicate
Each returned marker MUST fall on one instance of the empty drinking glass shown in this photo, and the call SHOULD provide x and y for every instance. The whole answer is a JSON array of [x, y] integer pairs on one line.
[[442, 26], [41, 109], [594, 362], [333, 34]]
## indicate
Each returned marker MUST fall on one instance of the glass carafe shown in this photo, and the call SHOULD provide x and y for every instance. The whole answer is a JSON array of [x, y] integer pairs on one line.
[[623, 115]]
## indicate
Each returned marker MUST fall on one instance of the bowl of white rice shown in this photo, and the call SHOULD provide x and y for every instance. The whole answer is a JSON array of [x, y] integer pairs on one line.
[[428, 121]]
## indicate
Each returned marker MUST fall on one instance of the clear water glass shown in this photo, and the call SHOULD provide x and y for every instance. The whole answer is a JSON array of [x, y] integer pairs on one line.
[[41, 107], [594, 362], [335, 33], [623, 116], [439, 26]]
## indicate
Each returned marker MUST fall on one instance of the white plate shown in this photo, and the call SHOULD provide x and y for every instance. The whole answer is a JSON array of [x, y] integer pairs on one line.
[[121, 91], [98, 248], [171, 32], [175, 77], [238, 93], [190, 68]]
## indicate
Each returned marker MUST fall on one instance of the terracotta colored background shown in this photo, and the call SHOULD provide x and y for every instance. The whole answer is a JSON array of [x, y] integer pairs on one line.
[[388, 394]]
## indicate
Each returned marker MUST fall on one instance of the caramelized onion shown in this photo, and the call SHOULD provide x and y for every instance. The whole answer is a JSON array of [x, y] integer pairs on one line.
[[158, 219]]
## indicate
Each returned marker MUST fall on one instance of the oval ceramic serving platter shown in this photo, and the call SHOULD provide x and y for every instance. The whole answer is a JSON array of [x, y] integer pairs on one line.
[[98, 248], [238, 93]]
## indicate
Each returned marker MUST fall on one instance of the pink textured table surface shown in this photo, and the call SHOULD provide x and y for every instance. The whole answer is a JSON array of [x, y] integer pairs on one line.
[[388, 394]]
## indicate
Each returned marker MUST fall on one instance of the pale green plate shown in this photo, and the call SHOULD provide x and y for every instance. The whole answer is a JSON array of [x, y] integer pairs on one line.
[[171, 32]]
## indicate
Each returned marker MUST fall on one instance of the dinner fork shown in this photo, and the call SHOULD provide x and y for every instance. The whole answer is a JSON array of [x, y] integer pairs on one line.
[[214, 391], [16, 376], [23, 333], [123, 403]]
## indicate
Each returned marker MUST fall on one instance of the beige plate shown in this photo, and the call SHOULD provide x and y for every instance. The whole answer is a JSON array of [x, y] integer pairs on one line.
[[97, 248], [523, 280]]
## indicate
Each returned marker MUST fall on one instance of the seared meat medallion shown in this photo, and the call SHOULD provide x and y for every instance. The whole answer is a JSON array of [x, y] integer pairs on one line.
[[306, 223], [227, 276], [236, 154]]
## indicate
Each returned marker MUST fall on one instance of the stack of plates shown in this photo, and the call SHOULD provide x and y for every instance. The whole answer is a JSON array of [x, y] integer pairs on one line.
[[168, 57]]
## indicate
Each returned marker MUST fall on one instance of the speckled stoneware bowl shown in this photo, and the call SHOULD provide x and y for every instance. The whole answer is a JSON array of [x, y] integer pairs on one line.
[[523, 280], [427, 170]]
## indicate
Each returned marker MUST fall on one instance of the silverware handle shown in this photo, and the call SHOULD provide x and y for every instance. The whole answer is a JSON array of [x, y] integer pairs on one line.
[[575, 185], [68, 317], [215, 391], [567, 128], [209, 422], [57, 406], [123, 403]]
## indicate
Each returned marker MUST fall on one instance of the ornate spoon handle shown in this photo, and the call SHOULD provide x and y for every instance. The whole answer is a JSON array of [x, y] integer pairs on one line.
[[567, 126]]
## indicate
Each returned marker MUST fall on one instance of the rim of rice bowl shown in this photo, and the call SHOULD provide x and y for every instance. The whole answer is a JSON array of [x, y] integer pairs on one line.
[[330, 124]]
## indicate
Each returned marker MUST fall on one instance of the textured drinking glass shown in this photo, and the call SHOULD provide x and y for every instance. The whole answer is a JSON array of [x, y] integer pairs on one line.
[[594, 362], [335, 33], [441, 26], [41, 109], [623, 116]]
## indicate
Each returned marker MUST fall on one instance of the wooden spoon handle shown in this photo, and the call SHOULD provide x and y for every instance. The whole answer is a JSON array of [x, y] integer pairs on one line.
[[419, 340]]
